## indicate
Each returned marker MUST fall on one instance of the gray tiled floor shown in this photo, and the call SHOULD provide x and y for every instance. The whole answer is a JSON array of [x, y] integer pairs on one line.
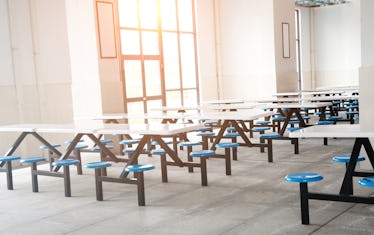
[[254, 200]]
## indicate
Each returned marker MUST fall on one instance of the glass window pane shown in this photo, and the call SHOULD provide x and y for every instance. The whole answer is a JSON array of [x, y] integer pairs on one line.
[[168, 15], [128, 13], [148, 14], [171, 60], [190, 98], [150, 43], [130, 42], [134, 108], [151, 105], [185, 15], [133, 78], [152, 77], [173, 98], [188, 61]]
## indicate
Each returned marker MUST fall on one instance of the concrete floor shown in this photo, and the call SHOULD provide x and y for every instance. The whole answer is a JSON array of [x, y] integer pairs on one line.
[[254, 200]]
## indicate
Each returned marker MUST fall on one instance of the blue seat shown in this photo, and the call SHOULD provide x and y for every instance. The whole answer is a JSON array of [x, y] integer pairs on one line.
[[333, 118], [227, 146], [138, 170], [129, 142], [34, 176], [231, 134], [346, 157], [269, 137], [98, 149], [303, 178], [7, 160], [206, 128], [325, 122], [367, 182], [189, 145], [99, 168], [65, 164], [203, 155], [70, 141], [45, 147], [279, 118], [205, 134], [231, 128], [106, 141], [156, 143], [260, 129], [159, 151]]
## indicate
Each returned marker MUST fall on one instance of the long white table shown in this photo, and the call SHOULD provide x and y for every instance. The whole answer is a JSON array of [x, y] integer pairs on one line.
[[361, 140], [291, 109]]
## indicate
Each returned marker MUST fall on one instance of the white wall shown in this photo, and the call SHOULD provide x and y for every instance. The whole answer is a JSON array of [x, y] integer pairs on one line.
[[247, 48], [337, 44]]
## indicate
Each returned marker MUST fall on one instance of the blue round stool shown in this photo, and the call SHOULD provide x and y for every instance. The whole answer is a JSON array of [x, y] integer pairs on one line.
[[303, 179], [7, 160], [34, 171], [227, 156], [367, 182], [99, 167], [203, 155], [65, 164], [138, 170]]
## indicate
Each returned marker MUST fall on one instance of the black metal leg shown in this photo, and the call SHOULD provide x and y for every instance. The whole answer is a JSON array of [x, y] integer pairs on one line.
[[189, 158], [99, 185], [270, 150], [140, 182], [67, 181], [34, 177], [228, 161], [304, 204], [164, 170], [9, 175]]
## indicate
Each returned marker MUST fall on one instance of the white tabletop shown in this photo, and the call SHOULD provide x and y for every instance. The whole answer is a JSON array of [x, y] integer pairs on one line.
[[307, 98], [251, 114], [224, 101], [157, 129], [176, 108], [297, 105], [232, 106], [148, 129], [340, 130], [123, 116]]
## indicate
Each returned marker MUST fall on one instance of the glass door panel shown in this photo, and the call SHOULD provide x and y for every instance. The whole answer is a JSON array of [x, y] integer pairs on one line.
[[173, 98], [185, 15], [168, 15], [128, 13], [133, 78], [188, 60], [148, 14], [152, 77], [189, 97], [150, 43], [135, 107], [171, 60], [130, 42]]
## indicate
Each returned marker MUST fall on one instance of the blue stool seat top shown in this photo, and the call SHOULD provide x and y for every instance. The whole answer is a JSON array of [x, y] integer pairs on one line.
[[9, 158], [205, 133], [263, 122], [232, 134], [69, 141], [206, 128], [189, 143], [303, 177], [139, 167], [159, 151], [32, 159], [260, 128], [80, 147], [203, 153], [291, 129], [97, 148], [356, 118], [333, 118], [270, 136], [131, 150], [351, 106], [227, 145], [346, 157], [156, 143], [367, 181], [211, 123], [53, 145], [129, 141], [280, 118], [351, 112], [335, 102], [106, 141], [97, 165], [325, 122], [294, 122], [231, 128], [66, 162]]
